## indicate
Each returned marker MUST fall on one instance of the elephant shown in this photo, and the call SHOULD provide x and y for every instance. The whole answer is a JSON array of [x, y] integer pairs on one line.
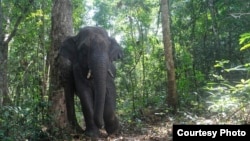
[[86, 66]]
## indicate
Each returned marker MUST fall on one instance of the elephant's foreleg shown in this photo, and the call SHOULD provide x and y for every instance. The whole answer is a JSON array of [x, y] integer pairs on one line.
[[85, 93], [88, 111], [110, 118]]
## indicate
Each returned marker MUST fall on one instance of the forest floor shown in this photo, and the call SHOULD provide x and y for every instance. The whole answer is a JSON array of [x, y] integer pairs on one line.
[[151, 128], [155, 127], [160, 130], [157, 130]]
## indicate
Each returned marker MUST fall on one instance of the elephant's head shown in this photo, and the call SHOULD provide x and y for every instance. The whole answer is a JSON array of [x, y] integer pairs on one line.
[[95, 51]]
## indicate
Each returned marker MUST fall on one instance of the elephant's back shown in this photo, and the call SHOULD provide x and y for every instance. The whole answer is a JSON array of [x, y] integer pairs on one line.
[[93, 30]]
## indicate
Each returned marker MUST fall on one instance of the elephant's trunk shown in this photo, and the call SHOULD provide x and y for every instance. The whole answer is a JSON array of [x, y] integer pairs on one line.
[[99, 70]]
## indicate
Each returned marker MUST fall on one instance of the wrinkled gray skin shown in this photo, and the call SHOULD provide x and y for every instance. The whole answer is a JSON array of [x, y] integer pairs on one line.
[[87, 70]]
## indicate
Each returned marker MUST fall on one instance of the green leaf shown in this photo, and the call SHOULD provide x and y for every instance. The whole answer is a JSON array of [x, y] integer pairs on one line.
[[245, 47], [244, 37]]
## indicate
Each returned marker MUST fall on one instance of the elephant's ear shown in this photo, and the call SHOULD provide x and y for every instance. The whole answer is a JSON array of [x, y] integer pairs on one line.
[[115, 51], [68, 49]]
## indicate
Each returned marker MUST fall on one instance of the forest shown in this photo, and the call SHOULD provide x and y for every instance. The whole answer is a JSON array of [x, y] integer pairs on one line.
[[184, 62]]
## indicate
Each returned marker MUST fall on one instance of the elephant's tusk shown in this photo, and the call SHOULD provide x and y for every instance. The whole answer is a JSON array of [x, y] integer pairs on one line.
[[110, 73], [89, 74]]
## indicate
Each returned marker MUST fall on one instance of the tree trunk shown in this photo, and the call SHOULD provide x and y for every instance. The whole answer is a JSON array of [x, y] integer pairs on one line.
[[5, 99], [171, 85], [213, 13], [3, 62], [1, 55], [61, 28]]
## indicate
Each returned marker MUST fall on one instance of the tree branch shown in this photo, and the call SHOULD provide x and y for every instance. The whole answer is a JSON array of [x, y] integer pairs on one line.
[[18, 21], [238, 15]]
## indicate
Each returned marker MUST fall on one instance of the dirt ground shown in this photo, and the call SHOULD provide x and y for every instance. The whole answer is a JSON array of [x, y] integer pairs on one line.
[[153, 130]]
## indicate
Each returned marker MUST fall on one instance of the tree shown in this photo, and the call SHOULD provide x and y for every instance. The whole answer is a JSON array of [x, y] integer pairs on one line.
[[5, 39], [61, 28], [171, 85], [3, 63]]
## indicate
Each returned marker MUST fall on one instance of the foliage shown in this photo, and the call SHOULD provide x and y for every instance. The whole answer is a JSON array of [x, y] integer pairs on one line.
[[140, 79], [25, 117], [212, 63], [244, 38], [19, 123], [230, 102], [78, 7], [228, 99]]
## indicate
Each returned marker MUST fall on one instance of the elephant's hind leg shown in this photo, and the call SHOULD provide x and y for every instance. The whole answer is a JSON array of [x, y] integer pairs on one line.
[[67, 79], [69, 98]]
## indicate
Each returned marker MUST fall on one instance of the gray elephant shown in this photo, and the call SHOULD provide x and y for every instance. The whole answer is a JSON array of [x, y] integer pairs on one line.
[[87, 70]]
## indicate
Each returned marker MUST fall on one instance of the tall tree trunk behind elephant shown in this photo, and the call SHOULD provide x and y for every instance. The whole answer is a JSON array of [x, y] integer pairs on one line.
[[61, 28]]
